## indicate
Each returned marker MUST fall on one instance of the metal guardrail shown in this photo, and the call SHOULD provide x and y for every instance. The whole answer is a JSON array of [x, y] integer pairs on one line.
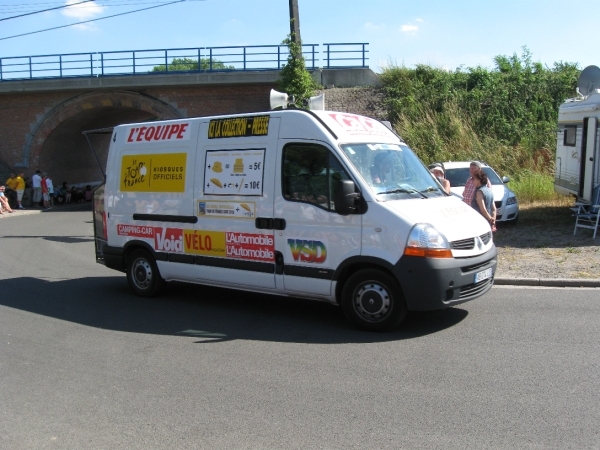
[[180, 60]]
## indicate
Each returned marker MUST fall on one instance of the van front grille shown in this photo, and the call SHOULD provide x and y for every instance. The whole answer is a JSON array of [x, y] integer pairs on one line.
[[463, 244], [474, 289], [469, 244]]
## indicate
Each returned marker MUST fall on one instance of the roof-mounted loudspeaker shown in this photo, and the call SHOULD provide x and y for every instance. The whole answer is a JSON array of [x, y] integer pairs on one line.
[[317, 102], [278, 99]]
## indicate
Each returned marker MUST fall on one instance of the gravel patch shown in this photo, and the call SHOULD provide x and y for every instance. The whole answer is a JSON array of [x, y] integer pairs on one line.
[[542, 245]]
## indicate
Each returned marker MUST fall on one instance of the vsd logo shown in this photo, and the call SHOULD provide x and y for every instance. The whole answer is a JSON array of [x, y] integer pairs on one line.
[[168, 239], [308, 251]]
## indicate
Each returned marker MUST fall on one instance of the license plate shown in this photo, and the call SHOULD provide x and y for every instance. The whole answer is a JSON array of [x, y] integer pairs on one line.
[[483, 275]]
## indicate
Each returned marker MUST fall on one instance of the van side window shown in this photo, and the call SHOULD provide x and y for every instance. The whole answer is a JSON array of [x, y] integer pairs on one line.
[[570, 136], [310, 175]]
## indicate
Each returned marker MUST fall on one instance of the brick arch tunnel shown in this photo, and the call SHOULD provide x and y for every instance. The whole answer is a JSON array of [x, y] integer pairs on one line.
[[57, 145]]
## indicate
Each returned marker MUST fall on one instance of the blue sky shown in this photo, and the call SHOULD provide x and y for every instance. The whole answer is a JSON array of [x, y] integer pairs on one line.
[[441, 33]]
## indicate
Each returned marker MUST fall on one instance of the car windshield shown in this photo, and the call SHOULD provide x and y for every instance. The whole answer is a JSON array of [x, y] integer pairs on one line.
[[459, 176], [392, 170]]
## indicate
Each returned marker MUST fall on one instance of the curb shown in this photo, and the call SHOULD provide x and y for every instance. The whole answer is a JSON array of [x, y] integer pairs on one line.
[[29, 211], [547, 282]]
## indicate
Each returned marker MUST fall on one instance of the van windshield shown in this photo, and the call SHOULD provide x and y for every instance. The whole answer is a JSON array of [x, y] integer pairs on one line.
[[392, 170]]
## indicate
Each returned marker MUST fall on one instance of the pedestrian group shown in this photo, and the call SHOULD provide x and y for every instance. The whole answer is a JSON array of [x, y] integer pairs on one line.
[[477, 193], [44, 194]]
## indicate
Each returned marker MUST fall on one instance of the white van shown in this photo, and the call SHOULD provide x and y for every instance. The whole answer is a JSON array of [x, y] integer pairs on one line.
[[315, 204]]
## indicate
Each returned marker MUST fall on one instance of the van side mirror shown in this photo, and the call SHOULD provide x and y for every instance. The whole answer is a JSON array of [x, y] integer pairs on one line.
[[346, 199], [505, 180]]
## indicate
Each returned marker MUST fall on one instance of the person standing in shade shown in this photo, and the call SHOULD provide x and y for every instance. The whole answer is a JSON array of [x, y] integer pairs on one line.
[[20, 188], [36, 184], [45, 195], [469, 190], [50, 187], [483, 198]]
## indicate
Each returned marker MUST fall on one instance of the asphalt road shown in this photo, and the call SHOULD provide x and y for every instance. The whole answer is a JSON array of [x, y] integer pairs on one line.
[[86, 365]]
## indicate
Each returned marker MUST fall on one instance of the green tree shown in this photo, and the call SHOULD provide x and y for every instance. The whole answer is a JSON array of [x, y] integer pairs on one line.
[[505, 115], [190, 65], [294, 78]]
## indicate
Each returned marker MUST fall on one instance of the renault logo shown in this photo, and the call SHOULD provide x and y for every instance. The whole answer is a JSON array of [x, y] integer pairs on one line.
[[479, 243]]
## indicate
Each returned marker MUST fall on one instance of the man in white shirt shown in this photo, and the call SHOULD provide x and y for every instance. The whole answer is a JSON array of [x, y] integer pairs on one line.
[[36, 182]]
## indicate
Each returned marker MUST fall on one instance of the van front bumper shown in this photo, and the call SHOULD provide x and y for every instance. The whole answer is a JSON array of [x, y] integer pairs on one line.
[[437, 283]]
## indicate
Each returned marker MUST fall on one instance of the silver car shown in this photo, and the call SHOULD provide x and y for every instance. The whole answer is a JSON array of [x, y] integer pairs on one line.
[[457, 172]]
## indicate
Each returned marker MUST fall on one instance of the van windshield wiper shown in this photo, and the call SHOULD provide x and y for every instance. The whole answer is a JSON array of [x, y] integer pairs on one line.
[[431, 189], [403, 190]]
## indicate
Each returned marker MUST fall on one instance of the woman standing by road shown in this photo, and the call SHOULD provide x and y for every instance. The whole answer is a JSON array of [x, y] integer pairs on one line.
[[483, 200]]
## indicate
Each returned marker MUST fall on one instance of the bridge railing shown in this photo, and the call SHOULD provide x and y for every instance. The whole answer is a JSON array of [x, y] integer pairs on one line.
[[181, 60]]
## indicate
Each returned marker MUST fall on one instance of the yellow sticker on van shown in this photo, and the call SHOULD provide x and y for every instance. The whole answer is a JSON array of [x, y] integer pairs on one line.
[[238, 127], [200, 242], [163, 172]]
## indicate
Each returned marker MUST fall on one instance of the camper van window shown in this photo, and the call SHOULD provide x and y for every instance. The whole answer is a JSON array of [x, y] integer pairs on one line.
[[570, 136], [310, 175]]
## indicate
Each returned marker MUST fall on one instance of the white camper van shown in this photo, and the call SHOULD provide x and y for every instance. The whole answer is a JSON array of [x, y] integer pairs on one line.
[[578, 142], [315, 204]]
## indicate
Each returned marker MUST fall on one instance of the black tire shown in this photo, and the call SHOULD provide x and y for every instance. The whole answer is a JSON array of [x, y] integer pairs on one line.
[[373, 301], [142, 274]]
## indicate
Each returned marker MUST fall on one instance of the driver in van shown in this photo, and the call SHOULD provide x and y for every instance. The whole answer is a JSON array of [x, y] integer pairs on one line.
[[382, 168]]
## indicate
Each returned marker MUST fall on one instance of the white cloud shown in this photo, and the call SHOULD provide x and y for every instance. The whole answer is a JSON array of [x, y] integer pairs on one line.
[[408, 28], [83, 11], [420, 20]]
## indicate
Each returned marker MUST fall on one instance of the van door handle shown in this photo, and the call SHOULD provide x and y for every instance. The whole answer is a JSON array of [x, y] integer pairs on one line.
[[279, 224], [266, 223], [263, 223]]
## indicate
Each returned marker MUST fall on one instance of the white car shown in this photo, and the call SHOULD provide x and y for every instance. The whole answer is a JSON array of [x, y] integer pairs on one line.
[[457, 172]]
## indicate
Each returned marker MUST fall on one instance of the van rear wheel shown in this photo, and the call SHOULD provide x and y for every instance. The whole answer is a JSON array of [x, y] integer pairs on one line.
[[142, 274], [372, 300]]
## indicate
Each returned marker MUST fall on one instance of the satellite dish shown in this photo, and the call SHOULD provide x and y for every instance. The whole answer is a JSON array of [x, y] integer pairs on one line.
[[589, 80], [317, 102], [278, 99]]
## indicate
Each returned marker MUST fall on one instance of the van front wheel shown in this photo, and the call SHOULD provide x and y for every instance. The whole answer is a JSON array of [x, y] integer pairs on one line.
[[142, 274], [372, 300]]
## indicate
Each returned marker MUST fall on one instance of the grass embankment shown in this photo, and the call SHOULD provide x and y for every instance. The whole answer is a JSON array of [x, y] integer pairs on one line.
[[505, 117]]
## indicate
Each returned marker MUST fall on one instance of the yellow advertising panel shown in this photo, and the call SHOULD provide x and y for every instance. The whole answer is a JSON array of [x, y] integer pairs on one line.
[[200, 242], [163, 172]]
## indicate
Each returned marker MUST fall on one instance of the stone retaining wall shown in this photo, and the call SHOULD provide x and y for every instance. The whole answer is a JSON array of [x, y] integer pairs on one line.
[[366, 101]]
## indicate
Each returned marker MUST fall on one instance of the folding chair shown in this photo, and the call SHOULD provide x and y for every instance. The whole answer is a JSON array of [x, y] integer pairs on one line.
[[588, 216]]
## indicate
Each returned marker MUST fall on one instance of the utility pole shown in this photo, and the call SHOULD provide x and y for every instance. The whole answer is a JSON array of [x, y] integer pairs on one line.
[[294, 22]]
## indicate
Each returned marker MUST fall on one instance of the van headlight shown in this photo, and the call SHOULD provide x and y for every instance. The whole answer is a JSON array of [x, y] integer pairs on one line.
[[424, 240], [511, 200]]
